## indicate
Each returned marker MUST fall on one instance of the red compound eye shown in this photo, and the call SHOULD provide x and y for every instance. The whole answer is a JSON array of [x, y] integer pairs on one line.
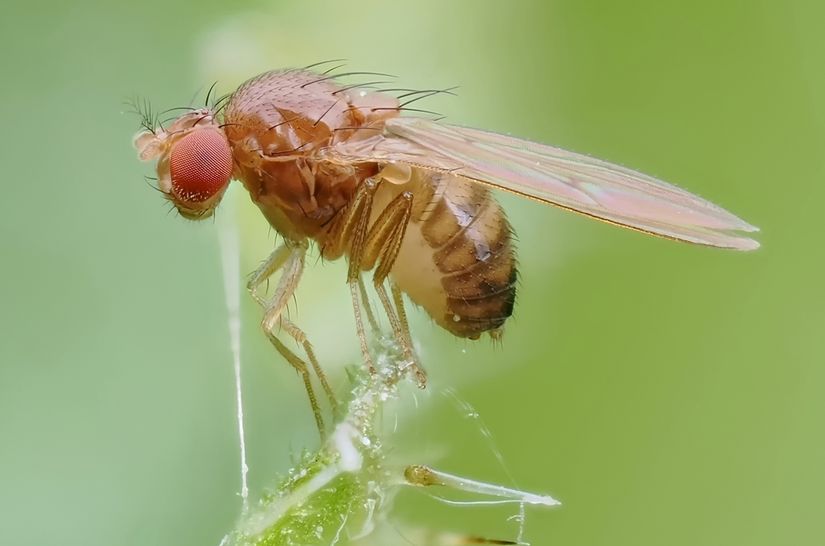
[[201, 165]]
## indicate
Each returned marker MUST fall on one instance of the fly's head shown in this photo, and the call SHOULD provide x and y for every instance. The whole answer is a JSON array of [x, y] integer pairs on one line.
[[194, 161]]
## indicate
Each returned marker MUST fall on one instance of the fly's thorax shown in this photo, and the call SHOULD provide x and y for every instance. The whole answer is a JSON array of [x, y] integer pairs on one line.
[[277, 122], [300, 198], [293, 113]]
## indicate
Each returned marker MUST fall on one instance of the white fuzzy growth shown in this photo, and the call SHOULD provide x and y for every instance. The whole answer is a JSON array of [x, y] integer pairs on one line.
[[343, 439]]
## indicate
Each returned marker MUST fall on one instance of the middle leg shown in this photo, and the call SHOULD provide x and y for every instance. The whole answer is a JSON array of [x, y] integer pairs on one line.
[[382, 244], [374, 246]]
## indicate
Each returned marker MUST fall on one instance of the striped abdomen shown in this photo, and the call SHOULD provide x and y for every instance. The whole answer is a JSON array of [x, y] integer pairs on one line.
[[457, 259]]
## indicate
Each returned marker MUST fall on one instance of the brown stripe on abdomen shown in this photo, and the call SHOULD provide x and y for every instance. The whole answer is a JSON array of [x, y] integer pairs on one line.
[[473, 250]]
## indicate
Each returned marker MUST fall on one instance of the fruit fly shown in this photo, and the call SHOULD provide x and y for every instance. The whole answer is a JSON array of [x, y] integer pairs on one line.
[[407, 198]]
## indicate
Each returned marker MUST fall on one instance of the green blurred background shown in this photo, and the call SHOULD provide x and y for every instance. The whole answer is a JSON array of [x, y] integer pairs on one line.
[[667, 394]]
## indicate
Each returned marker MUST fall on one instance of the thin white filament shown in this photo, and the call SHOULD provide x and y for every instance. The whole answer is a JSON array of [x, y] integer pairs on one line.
[[230, 261], [452, 502], [521, 518], [482, 488], [470, 412]]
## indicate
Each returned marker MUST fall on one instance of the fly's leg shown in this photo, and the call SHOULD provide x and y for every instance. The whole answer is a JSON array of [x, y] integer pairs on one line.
[[398, 331], [381, 248], [375, 246], [350, 229], [302, 369], [301, 338], [288, 258], [398, 300], [420, 374], [359, 327], [273, 263], [367, 307]]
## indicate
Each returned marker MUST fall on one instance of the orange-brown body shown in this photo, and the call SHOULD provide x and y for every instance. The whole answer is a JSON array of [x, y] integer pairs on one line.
[[456, 259], [404, 197]]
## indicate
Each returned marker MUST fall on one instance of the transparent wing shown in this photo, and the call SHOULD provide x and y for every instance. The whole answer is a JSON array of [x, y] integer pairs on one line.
[[551, 175]]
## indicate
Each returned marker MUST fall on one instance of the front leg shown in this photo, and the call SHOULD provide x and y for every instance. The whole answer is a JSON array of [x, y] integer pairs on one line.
[[289, 258], [273, 263]]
